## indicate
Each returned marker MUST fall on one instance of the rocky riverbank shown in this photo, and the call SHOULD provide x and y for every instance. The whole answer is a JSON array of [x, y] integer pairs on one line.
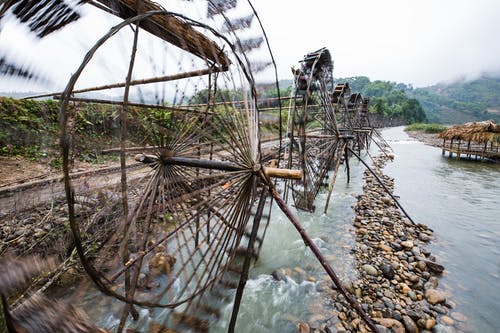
[[399, 278], [430, 139]]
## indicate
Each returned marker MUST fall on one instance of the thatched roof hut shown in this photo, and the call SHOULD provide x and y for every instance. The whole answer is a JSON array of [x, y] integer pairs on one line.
[[480, 132]]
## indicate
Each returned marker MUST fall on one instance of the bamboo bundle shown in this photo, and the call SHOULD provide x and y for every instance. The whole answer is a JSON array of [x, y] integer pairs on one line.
[[170, 29]]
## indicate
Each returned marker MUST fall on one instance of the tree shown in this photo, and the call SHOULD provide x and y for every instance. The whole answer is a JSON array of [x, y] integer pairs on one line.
[[413, 112]]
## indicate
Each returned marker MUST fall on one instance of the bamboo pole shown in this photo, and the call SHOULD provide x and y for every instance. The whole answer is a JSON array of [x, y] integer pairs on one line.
[[165, 78], [246, 264], [383, 185], [317, 253], [332, 183], [219, 165]]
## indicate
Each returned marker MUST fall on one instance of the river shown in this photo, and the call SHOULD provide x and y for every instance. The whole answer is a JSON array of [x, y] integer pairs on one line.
[[460, 201]]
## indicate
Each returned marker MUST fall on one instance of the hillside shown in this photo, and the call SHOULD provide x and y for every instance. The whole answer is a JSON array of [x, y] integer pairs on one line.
[[445, 103], [461, 101]]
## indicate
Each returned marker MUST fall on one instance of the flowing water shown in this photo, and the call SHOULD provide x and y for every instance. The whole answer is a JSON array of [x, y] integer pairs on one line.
[[276, 306], [460, 201]]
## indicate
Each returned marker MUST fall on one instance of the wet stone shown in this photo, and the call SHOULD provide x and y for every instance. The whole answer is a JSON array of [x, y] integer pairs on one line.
[[370, 270], [410, 325], [387, 271]]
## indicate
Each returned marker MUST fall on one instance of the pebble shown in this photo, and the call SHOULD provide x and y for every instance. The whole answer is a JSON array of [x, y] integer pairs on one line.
[[303, 328], [434, 296], [447, 320], [458, 316], [410, 325], [392, 324], [370, 270], [429, 324], [398, 286], [387, 271], [407, 244]]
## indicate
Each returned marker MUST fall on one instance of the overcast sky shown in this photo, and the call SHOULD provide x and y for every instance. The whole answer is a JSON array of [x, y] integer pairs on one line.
[[418, 42], [421, 42]]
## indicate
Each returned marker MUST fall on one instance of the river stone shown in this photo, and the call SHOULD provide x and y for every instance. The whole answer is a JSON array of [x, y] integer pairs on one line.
[[404, 288], [424, 237], [434, 296], [369, 269], [429, 324], [386, 200], [458, 316], [407, 244], [396, 246], [443, 329], [278, 275], [385, 248], [447, 320], [362, 231], [393, 324], [416, 251], [303, 327], [432, 283], [434, 267], [387, 271], [410, 325]]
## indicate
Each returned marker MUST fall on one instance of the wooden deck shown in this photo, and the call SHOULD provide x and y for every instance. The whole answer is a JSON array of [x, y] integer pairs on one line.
[[471, 151]]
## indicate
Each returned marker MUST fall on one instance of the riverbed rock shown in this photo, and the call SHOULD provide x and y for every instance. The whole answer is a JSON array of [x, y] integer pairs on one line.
[[370, 270], [278, 275], [434, 296], [447, 320], [410, 325], [385, 248], [387, 271], [303, 327], [393, 324], [429, 324], [408, 244], [458, 316]]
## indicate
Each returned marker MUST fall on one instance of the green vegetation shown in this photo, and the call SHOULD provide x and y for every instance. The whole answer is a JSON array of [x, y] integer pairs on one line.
[[388, 99], [427, 128], [30, 129], [450, 103]]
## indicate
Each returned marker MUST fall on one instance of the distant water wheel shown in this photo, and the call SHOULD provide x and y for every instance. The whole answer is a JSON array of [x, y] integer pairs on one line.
[[312, 130]]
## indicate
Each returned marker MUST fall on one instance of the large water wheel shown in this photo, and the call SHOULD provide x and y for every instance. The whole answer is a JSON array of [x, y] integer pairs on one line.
[[182, 219]]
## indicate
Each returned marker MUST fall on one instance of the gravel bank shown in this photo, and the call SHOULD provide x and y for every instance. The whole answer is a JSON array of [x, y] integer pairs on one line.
[[430, 139], [399, 279]]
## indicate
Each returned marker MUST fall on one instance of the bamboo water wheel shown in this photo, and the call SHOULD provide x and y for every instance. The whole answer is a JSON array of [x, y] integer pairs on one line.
[[312, 131], [175, 235]]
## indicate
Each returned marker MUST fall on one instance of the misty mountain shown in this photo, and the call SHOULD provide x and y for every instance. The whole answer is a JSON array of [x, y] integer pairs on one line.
[[461, 101]]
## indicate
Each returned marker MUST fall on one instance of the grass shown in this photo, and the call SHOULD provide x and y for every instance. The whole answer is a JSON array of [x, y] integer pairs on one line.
[[427, 128]]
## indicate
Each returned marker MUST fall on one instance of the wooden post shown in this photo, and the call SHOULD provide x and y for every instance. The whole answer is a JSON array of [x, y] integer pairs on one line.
[[444, 145], [458, 148]]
